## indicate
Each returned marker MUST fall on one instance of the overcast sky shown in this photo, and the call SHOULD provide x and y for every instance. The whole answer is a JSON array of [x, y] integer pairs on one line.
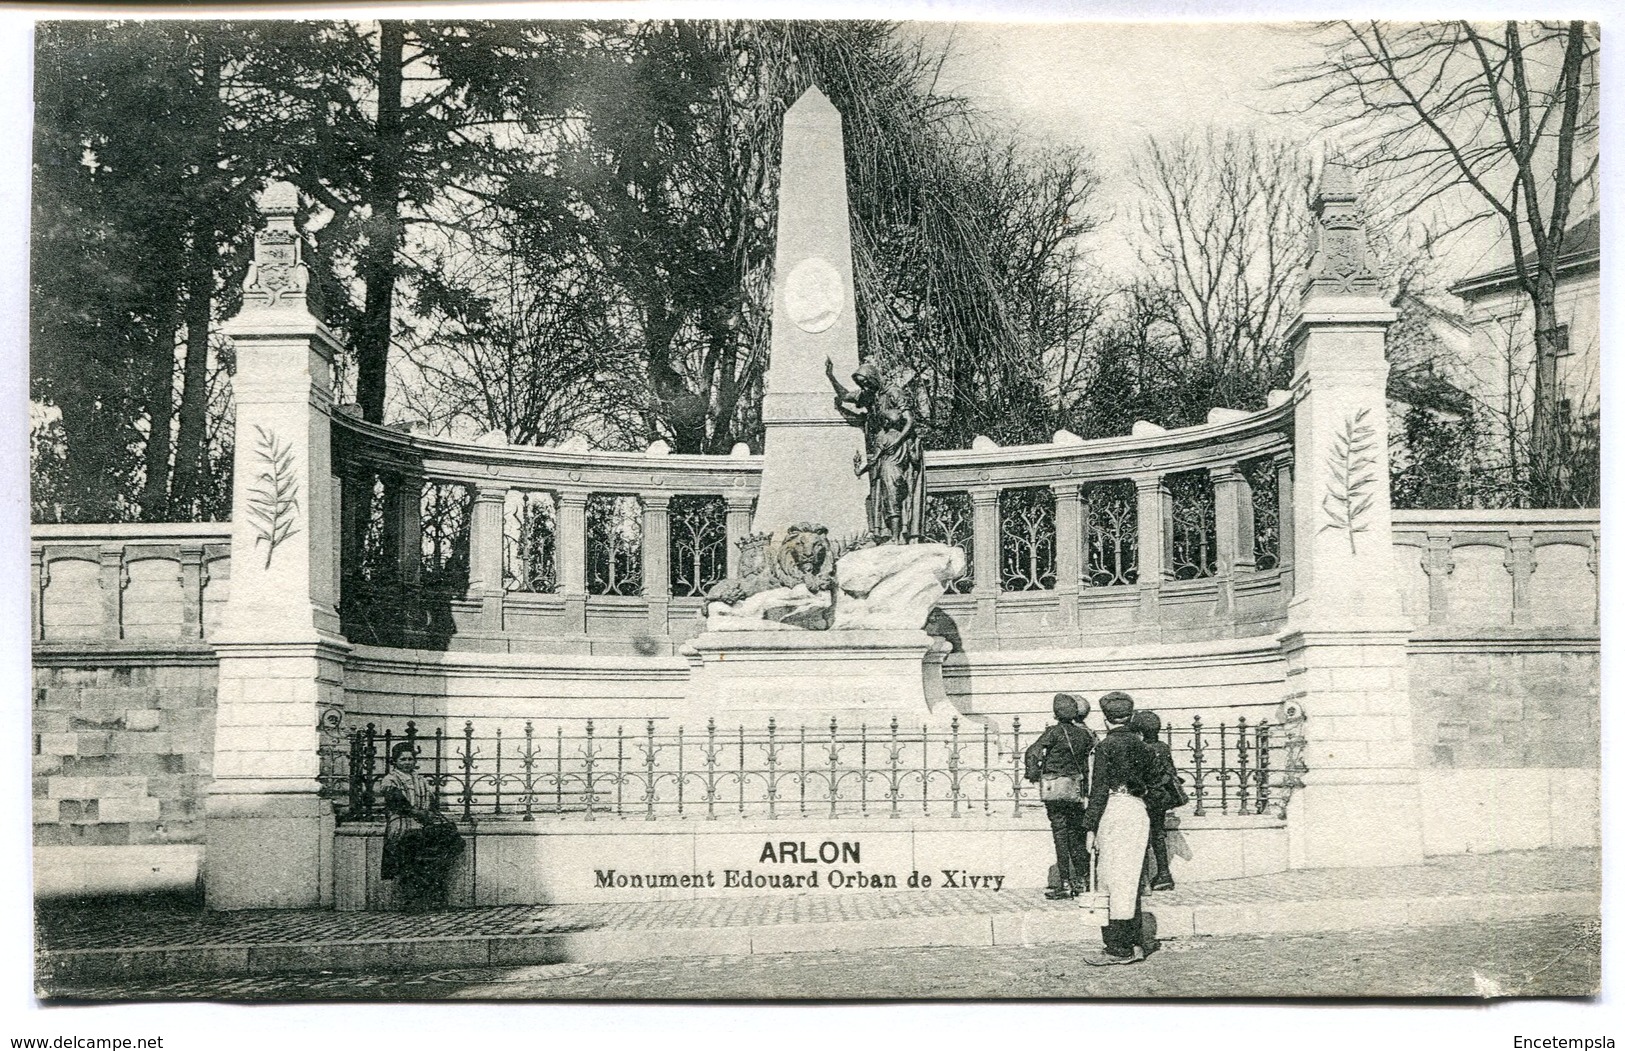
[[1106, 86]]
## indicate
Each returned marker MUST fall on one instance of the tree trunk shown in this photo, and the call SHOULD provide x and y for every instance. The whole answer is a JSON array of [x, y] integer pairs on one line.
[[189, 440], [1547, 470], [1544, 465], [154, 497], [195, 374], [379, 265]]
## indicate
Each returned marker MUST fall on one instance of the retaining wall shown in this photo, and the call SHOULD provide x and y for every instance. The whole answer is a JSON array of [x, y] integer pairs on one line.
[[122, 760], [553, 862]]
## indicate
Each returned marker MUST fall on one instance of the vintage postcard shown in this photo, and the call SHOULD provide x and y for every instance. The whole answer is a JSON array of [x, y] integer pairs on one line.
[[622, 508]]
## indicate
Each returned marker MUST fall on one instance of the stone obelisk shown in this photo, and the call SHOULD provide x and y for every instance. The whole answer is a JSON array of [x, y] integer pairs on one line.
[[808, 447]]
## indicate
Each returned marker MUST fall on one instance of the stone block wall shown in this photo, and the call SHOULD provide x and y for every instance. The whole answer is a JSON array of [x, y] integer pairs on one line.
[[1508, 748], [122, 759], [1506, 710]]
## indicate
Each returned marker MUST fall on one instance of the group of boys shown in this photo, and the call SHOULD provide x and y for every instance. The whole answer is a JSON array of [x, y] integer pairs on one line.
[[1125, 809]]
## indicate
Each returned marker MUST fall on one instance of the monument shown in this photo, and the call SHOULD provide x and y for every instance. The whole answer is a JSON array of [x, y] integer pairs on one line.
[[808, 445], [827, 615]]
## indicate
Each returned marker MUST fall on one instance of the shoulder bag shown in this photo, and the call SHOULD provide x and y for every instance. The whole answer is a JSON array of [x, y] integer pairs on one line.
[[1063, 789]]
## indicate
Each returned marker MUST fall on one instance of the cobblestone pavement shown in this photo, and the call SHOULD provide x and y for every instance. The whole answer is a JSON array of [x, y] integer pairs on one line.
[[1517, 958], [114, 926]]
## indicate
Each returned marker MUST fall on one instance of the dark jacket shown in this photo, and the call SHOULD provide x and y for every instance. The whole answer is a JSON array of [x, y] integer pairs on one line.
[[1163, 760], [1051, 755], [1122, 760]]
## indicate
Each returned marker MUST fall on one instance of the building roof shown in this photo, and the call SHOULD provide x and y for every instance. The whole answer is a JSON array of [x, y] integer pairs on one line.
[[1582, 252], [1433, 312], [1425, 388]]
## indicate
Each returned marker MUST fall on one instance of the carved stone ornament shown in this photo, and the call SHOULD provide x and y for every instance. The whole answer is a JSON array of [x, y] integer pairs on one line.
[[814, 294], [1341, 264], [277, 278]]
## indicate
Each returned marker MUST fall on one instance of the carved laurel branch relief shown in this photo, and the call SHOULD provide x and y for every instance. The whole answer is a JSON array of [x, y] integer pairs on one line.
[[273, 498], [1351, 476]]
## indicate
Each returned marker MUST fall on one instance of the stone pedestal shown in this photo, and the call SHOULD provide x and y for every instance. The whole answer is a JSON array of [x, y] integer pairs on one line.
[[1360, 804], [269, 832], [809, 677]]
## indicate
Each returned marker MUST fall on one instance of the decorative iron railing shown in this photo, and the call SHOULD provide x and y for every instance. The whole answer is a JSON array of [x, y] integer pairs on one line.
[[610, 534], [614, 545], [1027, 539], [591, 770], [949, 520], [1113, 534], [445, 517], [1264, 484], [1194, 546], [530, 542], [699, 544]]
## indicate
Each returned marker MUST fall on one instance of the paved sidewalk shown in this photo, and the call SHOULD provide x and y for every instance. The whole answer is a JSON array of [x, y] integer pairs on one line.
[[114, 941]]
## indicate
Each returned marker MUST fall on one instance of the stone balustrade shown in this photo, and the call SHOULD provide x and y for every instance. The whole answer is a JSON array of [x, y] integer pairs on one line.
[[1466, 572], [1164, 537], [141, 586], [128, 586]]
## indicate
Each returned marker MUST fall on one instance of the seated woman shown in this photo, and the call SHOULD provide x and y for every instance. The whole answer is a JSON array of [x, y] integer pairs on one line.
[[420, 843]]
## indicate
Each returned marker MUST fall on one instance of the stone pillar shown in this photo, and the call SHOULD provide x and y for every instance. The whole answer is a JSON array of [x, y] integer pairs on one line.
[[1233, 519], [1155, 518], [1345, 638], [37, 576], [738, 527], [408, 528], [1285, 527], [485, 554], [192, 579], [1520, 562], [1438, 565], [110, 560], [1233, 532], [355, 491], [985, 588], [1071, 522], [807, 446], [572, 551], [1593, 561], [269, 832], [657, 560]]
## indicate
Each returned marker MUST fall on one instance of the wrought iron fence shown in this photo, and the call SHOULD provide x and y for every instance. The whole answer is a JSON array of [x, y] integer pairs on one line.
[[380, 604], [1264, 482], [591, 769], [614, 544], [1195, 545], [446, 512]]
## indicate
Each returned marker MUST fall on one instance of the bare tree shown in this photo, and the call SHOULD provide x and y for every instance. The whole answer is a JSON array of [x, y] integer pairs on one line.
[[510, 340], [1502, 116], [1226, 219]]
